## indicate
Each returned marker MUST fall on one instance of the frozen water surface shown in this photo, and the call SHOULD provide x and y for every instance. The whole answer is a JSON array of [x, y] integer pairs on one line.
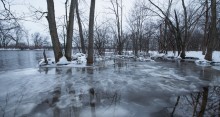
[[122, 89], [111, 89]]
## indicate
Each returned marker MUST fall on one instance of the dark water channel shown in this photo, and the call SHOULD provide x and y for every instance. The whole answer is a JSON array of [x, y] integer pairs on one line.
[[110, 89]]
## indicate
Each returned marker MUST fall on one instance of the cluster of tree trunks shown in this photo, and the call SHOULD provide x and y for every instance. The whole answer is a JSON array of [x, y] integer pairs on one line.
[[213, 32], [183, 32], [70, 24]]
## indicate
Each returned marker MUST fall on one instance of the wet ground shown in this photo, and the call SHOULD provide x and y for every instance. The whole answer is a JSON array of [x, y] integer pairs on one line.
[[111, 89]]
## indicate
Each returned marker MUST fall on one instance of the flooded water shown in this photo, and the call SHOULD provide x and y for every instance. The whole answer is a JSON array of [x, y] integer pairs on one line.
[[10, 60], [111, 89]]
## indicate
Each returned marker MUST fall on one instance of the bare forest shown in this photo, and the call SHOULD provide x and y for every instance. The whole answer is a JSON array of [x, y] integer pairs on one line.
[[170, 25]]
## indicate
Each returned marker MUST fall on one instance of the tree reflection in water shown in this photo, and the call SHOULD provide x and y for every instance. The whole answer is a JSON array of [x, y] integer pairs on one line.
[[67, 100], [87, 92], [92, 101], [206, 103]]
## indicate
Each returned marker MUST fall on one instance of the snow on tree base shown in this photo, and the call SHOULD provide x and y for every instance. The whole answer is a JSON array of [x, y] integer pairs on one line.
[[50, 62], [63, 61], [79, 61]]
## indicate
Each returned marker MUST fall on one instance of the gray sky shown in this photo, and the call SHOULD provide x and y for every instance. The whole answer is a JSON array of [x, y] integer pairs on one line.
[[24, 6], [102, 11]]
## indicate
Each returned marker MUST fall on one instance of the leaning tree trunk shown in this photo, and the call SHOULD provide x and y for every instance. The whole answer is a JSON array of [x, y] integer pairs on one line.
[[68, 50], [80, 29], [53, 30], [91, 31], [213, 33]]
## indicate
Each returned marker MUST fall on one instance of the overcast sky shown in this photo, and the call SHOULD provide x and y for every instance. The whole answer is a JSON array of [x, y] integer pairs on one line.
[[25, 7], [102, 11]]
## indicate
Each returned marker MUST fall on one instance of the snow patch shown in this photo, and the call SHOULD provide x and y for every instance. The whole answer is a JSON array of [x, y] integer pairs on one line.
[[78, 60], [49, 60], [62, 61], [203, 63]]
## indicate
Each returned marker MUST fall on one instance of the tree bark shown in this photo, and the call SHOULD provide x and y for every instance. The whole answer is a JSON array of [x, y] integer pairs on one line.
[[213, 33], [205, 37], [165, 38], [120, 42], [53, 30], [119, 30], [183, 53], [91, 31], [80, 29], [45, 57], [68, 49], [178, 34]]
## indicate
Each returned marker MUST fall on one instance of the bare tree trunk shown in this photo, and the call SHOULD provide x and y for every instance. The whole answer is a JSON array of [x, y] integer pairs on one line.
[[136, 44], [120, 42], [66, 22], [64, 37], [66, 17], [45, 57], [161, 37], [165, 34], [53, 30], [91, 31], [183, 53], [121, 31], [178, 35], [80, 29], [205, 38], [68, 49], [213, 33], [118, 27]]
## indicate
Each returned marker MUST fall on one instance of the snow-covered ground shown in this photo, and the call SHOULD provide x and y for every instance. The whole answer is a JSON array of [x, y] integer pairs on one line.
[[191, 56], [197, 54], [79, 59]]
